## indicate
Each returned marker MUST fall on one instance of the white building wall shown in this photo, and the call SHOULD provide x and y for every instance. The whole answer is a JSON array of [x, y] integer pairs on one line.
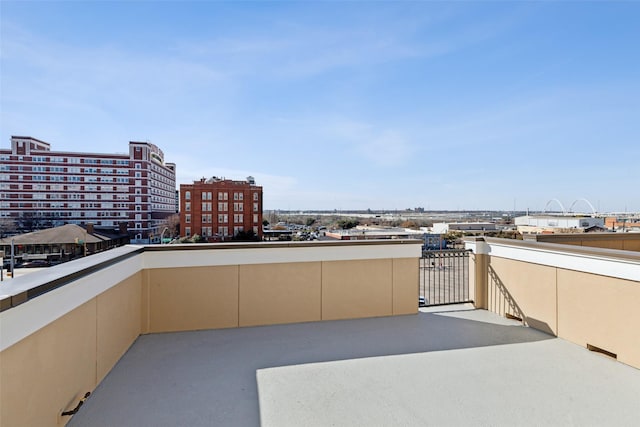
[[440, 227], [559, 221]]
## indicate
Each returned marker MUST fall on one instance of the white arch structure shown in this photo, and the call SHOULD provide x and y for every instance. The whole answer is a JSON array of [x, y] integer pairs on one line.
[[593, 210], [564, 211]]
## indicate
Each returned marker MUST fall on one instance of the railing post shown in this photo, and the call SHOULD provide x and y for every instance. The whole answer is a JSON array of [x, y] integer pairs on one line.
[[479, 271]]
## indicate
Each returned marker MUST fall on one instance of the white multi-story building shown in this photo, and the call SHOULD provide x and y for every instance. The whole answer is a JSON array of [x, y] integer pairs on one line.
[[557, 223], [469, 227], [40, 188]]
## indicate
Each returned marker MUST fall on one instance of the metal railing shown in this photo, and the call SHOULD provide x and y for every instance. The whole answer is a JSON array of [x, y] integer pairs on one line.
[[444, 277]]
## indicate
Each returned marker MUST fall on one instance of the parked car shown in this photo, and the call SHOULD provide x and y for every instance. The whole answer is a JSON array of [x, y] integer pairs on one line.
[[6, 263], [36, 263]]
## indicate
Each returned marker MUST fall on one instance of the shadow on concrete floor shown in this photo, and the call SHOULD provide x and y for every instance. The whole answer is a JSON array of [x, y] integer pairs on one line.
[[209, 377]]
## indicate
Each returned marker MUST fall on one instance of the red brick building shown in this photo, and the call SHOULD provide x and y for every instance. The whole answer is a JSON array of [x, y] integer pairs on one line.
[[219, 209]]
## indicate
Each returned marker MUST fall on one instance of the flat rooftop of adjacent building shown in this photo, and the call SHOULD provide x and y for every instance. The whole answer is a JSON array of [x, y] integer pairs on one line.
[[455, 366]]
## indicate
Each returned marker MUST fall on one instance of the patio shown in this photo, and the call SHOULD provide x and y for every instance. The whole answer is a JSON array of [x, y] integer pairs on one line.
[[443, 366]]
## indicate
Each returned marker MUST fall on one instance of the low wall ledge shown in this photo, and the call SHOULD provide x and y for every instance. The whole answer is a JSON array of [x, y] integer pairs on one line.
[[22, 289], [614, 254], [271, 245]]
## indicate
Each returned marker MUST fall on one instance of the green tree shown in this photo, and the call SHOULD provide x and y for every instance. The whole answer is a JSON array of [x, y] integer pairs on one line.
[[346, 224], [452, 236], [409, 224], [245, 236], [7, 226], [172, 222]]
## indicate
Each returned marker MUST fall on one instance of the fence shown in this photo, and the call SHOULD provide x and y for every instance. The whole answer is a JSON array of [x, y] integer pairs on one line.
[[444, 277]]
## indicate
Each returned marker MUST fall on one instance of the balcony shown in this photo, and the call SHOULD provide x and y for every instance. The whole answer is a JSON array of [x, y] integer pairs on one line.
[[321, 334]]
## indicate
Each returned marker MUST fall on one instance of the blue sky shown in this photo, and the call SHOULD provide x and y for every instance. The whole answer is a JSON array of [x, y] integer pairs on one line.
[[343, 105]]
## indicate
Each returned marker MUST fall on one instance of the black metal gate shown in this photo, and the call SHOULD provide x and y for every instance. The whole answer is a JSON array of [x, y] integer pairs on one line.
[[444, 277]]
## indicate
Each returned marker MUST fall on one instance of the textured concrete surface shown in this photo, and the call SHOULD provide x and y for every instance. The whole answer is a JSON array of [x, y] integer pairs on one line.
[[454, 367]]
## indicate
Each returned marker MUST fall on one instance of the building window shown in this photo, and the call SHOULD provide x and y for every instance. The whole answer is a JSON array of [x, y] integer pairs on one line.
[[255, 207], [187, 195], [187, 218], [223, 206], [255, 218], [187, 231], [223, 196], [206, 206], [223, 218], [187, 206]]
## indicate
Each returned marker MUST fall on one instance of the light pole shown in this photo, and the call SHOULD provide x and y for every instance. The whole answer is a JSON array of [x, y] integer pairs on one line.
[[13, 257], [162, 235]]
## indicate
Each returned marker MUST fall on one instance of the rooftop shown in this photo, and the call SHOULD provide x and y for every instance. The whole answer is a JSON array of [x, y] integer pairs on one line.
[[453, 366], [324, 333]]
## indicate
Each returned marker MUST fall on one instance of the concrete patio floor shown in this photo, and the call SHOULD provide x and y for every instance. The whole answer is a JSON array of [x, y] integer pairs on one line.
[[452, 367]]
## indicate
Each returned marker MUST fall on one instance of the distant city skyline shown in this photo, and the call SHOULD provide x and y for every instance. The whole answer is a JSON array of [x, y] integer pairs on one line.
[[343, 105]]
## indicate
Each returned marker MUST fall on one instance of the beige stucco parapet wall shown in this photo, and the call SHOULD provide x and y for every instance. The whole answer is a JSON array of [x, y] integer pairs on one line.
[[61, 344], [252, 286], [588, 296]]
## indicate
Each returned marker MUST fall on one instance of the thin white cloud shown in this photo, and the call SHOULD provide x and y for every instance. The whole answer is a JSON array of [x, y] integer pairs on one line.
[[376, 145], [389, 149], [73, 74], [224, 47], [296, 50], [302, 54]]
